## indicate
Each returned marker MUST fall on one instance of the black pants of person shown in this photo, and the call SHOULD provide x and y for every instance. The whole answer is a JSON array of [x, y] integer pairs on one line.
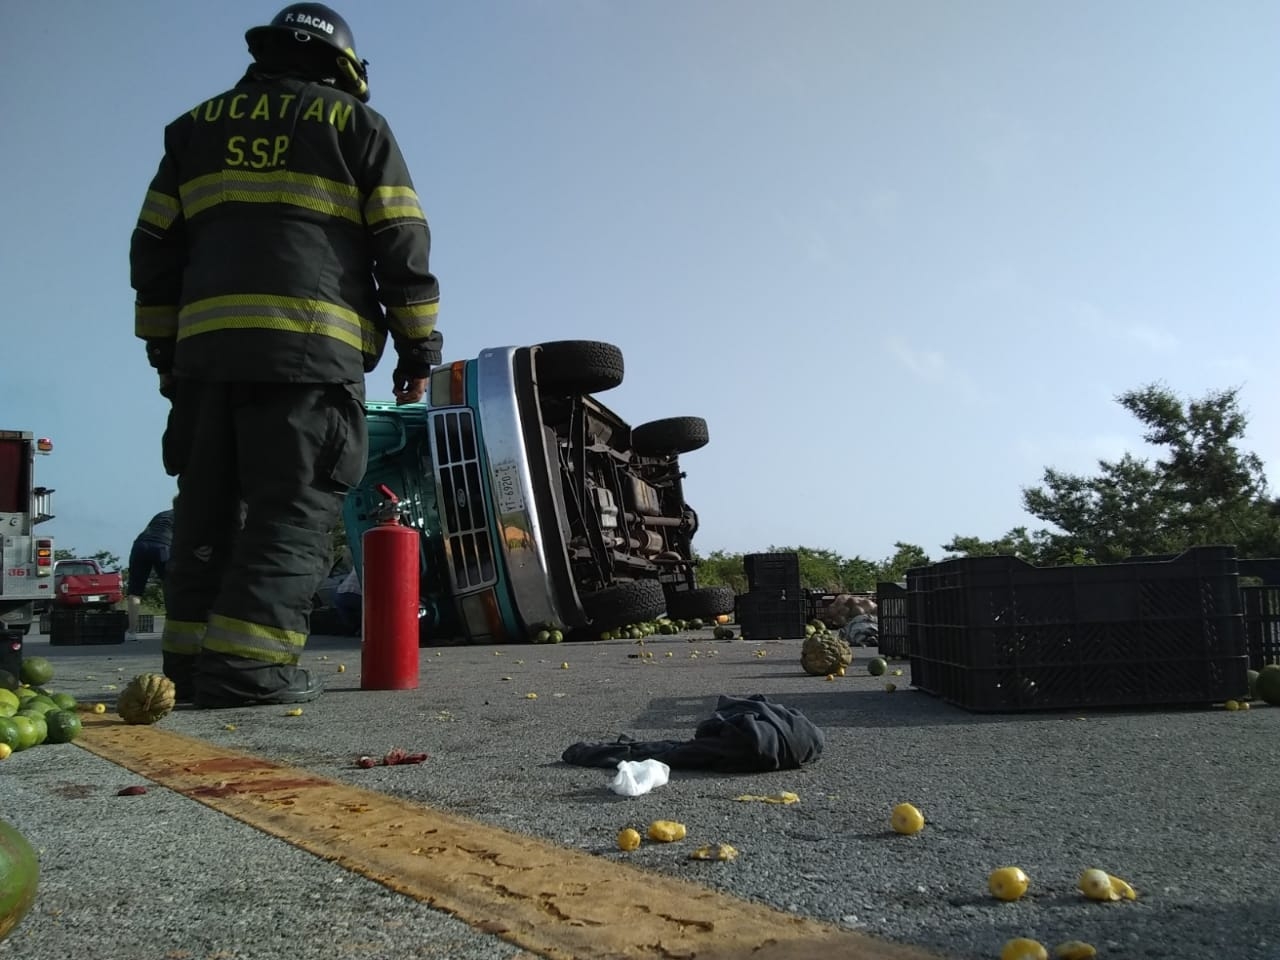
[[145, 558], [289, 452]]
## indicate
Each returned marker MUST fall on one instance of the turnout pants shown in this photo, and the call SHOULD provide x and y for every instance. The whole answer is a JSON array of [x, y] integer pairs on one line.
[[262, 469]]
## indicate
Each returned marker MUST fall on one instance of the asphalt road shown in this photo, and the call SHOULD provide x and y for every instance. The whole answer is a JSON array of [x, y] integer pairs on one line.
[[1182, 803]]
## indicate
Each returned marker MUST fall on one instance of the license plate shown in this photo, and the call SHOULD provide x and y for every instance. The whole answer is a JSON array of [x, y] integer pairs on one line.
[[506, 486], [96, 598]]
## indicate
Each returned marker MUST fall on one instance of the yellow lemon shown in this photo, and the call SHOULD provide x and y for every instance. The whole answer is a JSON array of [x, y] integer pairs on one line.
[[1008, 883], [1074, 950], [5, 750], [628, 839], [1021, 948], [906, 819], [1122, 887], [1232, 704], [1096, 885], [666, 831], [99, 708]]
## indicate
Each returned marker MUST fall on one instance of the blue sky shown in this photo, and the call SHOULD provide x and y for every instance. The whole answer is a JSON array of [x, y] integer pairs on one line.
[[902, 256]]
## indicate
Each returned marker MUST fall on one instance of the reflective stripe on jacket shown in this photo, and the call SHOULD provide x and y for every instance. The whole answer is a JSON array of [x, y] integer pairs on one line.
[[281, 238]]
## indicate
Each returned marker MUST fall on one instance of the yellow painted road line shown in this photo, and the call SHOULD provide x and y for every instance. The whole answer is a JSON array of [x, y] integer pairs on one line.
[[551, 900]]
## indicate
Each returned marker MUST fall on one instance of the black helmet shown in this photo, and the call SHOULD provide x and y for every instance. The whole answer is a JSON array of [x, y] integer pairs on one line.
[[302, 24]]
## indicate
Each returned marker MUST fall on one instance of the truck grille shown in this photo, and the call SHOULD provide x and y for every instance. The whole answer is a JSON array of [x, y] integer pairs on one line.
[[468, 545]]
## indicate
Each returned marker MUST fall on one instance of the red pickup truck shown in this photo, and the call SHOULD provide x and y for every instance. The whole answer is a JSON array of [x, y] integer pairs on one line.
[[85, 585]]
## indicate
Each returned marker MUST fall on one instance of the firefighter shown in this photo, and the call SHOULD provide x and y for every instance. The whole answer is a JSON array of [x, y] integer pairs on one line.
[[278, 245], [149, 554]]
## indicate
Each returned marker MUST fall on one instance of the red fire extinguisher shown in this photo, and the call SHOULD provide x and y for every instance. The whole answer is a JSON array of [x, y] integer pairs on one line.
[[389, 657]]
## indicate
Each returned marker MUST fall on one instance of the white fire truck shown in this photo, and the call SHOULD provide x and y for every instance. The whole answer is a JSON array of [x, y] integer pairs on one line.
[[26, 559]]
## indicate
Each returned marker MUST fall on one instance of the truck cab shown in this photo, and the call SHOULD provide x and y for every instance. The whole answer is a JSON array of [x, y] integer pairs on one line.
[[537, 506], [26, 559]]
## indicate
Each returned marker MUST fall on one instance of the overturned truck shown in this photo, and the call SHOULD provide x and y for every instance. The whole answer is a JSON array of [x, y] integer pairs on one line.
[[537, 507]]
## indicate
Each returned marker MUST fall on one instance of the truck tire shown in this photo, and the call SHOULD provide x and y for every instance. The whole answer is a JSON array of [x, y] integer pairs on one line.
[[673, 435], [703, 602], [632, 601], [575, 367]]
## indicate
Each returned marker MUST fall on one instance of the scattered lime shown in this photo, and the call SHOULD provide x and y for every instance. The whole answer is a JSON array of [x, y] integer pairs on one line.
[[1008, 883], [65, 701], [906, 819], [37, 723], [26, 732], [9, 735], [1074, 950], [877, 666], [628, 839], [64, 726], [36, 671], [1267, 685], [1021, 948], [1096, 885]]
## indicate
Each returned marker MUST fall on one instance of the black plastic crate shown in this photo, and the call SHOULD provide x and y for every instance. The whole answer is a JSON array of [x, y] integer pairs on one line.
[[765, 616], [772, 571], [84, 627], [891, 619], [1260, 595], [998, 634]]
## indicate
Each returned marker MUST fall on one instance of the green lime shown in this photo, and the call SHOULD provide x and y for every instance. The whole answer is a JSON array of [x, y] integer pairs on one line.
[[65, 701], [36, 671], [877, 666], [9, 697], [1267, 685], [64, 726], [26, 732], [9, 733], [8, 681], [37, 722], [26, 693], [40, 702]]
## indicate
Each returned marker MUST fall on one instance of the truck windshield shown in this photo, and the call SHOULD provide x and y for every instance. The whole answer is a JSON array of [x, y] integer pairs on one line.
[[15, 485]]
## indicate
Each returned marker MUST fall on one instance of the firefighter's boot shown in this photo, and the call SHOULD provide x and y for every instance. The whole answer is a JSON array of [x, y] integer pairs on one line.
[[222, 680], [180, 668]]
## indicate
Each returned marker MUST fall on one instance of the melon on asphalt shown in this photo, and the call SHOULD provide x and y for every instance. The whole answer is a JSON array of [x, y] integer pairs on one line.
[[147, 698], [1268, 685], [19, 873]]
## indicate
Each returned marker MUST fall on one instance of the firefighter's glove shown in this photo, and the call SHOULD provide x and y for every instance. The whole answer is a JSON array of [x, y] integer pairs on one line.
[[167, 386], [160, 354], [417, 357]]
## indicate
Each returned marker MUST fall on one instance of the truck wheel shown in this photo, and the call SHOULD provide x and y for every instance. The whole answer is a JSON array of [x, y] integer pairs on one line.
[[632, 601], [673, 435], [573, 367], [699, 603]]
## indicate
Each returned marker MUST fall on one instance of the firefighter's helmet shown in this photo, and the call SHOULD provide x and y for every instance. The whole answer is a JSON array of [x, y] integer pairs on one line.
[[313, 25]]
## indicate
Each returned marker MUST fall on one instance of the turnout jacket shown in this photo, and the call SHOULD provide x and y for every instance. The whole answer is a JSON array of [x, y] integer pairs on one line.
[[281, 239]]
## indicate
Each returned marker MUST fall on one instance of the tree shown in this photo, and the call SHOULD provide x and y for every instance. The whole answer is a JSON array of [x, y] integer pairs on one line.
[[906, 556], [1202, 490], [721, 569]]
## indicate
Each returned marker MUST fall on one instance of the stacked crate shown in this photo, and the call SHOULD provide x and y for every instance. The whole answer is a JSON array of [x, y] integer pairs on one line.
[[84, 627], [998, 634], [891, 618], [774, 605], [1260, 596]]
